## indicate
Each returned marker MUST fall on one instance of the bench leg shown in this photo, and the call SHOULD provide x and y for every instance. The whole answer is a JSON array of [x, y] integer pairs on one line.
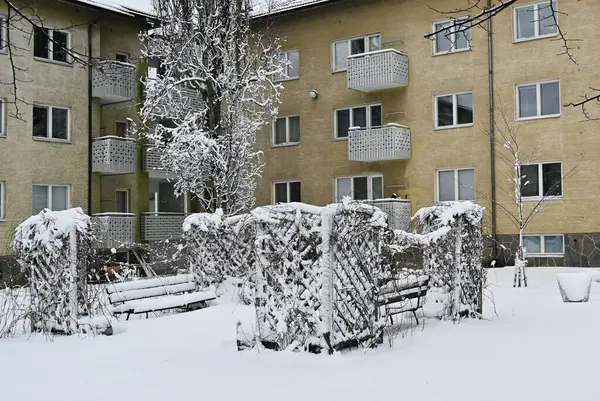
[[415, 314], [128, 314]]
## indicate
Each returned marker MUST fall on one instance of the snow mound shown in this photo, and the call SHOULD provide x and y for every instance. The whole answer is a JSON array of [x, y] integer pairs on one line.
[[574, 287]]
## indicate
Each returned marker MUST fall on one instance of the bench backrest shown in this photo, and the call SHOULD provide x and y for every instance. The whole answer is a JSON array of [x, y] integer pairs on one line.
[[403, 288], [150, 288]]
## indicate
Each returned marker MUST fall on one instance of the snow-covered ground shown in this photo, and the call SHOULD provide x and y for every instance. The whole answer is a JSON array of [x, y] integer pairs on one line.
[[535, 348]]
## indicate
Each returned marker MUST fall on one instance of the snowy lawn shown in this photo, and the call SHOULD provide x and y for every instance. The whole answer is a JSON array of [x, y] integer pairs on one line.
[[536, 348]]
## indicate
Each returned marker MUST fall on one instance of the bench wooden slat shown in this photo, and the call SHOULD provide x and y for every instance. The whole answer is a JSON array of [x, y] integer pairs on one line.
[[150, 283], [152, 292]]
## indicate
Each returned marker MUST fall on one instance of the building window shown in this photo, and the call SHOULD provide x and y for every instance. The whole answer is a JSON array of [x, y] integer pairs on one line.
[[544, 245], [122, 129], [122, 57], [535, 21], [53, 197], [2, 201], [50, 122], [349, 47], [2, 117], [285, 192], [454, 110], [291, 65], [122, 201], [3, 34], [51, 44], [451, 37], [361, 116], [541, 180], [538, 100], [361, 187], [286, 130], [456, 185]]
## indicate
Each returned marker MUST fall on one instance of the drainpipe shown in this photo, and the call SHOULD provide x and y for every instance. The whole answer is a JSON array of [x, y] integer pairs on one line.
[[90, 71], [492, 134]]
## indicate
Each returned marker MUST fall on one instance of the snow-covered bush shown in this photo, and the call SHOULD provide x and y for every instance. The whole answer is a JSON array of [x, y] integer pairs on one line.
[[574, 287], [54, 249]]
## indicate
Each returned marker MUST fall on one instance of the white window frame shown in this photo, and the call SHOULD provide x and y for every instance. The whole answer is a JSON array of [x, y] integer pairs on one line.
[[543, 253], [351, 108], [456, 184], [3, 119], [51, 47], [348, 43], [538, 97], [3, 34], [2, 201], [541, 181], [286, 66], [287, 131], [536, 20], [127, 199], [352, 177], [454, 111], [49, 189], [273, 200], [452, 29], [49, 133]]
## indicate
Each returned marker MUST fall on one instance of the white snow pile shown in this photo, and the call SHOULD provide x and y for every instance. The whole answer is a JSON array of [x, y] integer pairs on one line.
[[574, 287]]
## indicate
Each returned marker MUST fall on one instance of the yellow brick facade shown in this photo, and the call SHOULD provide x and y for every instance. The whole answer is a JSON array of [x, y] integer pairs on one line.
[[402, 24]]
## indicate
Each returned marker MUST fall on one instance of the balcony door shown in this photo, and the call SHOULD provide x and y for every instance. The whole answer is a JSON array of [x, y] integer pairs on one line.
[[163, 199]]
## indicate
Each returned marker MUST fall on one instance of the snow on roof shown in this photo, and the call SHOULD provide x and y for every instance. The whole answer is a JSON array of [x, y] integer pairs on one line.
[[130, 8], [262, 8]]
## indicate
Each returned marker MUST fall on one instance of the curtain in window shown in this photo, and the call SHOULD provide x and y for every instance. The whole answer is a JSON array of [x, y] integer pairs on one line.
[[39, 198], [446, 186], [294, 125], [60, 198]]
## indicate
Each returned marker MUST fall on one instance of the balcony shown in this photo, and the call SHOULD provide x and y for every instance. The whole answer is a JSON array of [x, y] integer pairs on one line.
[[112, 155], [382, 69], [398, 210], [151, 163], [390, 142], [113, 82], [177, 103], [160, 226], [114, 230]]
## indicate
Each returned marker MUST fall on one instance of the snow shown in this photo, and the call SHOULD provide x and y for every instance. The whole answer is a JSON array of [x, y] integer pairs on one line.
[[574, 287], [151, 292], [536, 348], [173, 301], [149, 283]]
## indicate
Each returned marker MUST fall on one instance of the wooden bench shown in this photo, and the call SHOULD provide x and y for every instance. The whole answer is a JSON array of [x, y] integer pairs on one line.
[[400, 295], [157, 294]]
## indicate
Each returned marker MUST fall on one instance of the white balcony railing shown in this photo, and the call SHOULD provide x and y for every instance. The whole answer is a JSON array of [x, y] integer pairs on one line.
[[161, 226], [113, 82], [390, 142], [373, 71], [398, 211], [151, 163], [113, 155], [114, 230], [177, 103]]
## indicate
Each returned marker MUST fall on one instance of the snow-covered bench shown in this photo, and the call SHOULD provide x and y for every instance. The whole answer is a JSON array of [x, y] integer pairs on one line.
[[400, 295], [157, 294]]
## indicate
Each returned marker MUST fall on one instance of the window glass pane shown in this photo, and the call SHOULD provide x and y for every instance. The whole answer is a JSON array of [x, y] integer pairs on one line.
[[443, 39], [280, 129], [121, 129], [39, 198], [1, 117], [60, 46], [463, 38], [40, 42], [532, 243], [294, 126], [446, 186], [525, 22], [361, 188], [343, 123], [357, 46], [550, 98], [377, 187], [281, 192], [552, 179], [122, 204], [527, 101], [374, 43], [2, 27], [359, 117], [464, 108], [444, 110], [530, 185], [60, 198], [60, 123], [546, 19], [283, 60], [341, 56], [294, 63], [466, 184], [553, 244], [40, 121], [123, 58], [295, 192], [376, 116], [344, 188]]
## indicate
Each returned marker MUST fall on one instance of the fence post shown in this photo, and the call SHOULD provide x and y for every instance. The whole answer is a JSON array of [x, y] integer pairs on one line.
[[73, 304], [327, 266]]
